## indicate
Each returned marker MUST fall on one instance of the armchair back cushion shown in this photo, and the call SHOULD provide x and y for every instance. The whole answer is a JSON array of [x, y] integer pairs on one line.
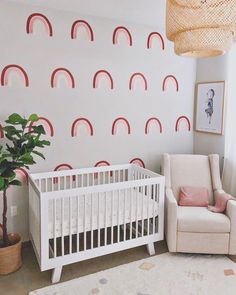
[[188, 170]]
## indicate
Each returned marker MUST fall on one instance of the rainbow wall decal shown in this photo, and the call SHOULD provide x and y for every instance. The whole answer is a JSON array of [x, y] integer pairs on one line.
[[117, 122], [1, 132], [170, 79], [44, 122], [137, 76], [155, 35], [84, 24], [22, 173], [82, 121], [120, 30], [153, 120], [102, 163], [138, 162], [66, 73], [14, 68], [180, 120], [62, 167], [35, 17], [102, 73]]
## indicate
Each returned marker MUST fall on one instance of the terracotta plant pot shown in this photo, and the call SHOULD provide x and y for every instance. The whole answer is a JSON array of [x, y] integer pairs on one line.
[[10, 257]]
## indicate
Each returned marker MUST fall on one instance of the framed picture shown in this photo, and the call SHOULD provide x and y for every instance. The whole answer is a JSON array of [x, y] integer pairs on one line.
[[209, 113]]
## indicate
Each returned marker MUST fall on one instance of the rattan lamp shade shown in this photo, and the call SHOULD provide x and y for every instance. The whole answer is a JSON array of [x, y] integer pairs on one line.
[[201, 28]]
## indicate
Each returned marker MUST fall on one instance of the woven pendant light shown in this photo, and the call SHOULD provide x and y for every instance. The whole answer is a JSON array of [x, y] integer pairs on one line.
[[201, 28]]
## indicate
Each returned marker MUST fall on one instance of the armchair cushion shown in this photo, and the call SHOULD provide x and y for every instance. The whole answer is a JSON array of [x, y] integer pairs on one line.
[[201, 220]]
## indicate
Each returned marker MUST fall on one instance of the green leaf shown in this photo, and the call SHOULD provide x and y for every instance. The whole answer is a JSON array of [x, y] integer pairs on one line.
[[33, 118], [38, 154], [15, 182], [14, 119], [38, 129], [2, 183], [27, 159]]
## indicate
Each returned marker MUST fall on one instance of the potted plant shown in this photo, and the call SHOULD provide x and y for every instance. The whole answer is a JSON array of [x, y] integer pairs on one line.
[[23, 138]]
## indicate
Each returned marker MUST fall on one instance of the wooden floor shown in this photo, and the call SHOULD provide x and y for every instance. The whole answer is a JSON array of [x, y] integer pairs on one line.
[[29, 277]]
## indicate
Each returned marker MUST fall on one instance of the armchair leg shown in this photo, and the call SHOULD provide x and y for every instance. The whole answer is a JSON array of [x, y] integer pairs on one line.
[[151, 249]]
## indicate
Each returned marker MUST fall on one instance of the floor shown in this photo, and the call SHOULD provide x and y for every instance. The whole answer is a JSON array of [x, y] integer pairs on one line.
[[29, 277]]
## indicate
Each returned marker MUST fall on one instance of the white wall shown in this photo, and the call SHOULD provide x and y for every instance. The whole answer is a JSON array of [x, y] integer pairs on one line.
[[40, 54]]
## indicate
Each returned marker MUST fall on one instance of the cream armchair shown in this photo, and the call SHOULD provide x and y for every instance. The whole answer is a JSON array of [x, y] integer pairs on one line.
[[196, 229]]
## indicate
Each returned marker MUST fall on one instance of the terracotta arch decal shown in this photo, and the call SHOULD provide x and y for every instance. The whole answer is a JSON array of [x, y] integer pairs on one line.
[[116, 33], [151, 121], [135, 76], [84, 24], [138, 162], [38, 16], [24, 173], [153, 35], [182, 119], [170, 78], [1, 132], [6, 71], [62, 167], [47, 122], [62, 71], [102, 163], [117, 121], [81, 121], [104, 73]]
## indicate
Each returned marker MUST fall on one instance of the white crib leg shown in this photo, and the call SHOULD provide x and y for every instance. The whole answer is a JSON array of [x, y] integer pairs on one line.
[[151, 249], [56, 274]]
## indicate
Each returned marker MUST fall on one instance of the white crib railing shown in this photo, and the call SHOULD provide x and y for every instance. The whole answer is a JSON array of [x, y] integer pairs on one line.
[[80, 214]]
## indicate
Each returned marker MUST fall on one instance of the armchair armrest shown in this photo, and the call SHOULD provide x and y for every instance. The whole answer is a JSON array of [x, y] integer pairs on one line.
[[171, 220], [231, 213]]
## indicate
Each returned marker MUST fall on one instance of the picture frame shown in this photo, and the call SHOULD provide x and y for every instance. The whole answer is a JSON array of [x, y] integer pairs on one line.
[[209, 107]]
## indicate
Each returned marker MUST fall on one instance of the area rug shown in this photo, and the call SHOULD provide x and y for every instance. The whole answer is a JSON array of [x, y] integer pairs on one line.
[[165, 274]]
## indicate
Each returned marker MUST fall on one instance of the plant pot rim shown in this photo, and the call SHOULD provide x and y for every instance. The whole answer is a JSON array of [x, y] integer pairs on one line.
[[15, 238]]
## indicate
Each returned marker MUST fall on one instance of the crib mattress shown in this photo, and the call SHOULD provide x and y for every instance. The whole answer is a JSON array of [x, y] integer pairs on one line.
[[86, 213]]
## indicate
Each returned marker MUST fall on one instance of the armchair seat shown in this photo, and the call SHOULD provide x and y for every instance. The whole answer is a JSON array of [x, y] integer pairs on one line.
[[201, 220]]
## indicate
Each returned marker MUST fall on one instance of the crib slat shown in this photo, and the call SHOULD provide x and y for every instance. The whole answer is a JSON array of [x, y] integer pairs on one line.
[[92, 213], [70, 225], [137, 206], [85, 242], [142, 190], [112, 210], [154, 193], [148, 217], [99, 231], [78, 223], [131, 208], [105, 227], [55, 237], [118, 217], [125, 196], [62, 227]]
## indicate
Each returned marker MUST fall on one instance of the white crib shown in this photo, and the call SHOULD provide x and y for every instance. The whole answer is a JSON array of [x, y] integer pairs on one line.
[[80, 214]]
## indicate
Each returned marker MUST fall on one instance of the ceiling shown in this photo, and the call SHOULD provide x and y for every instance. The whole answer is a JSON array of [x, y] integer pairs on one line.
[[149, 12]]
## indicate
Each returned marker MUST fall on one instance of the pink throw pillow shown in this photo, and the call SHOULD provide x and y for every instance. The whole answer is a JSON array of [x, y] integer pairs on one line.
[[193, 196]]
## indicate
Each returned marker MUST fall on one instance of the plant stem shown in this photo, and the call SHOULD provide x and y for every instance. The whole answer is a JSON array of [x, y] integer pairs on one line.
[[4, 220]]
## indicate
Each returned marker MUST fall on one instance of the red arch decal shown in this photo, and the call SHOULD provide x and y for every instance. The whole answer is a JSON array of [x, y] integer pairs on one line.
[[19, 69], [61, 167], [135, 75], [102, 163], [81, 120], [98, 74], [179, 120], [84, 24], [120, 119], [24, 173], [67, 73], [138, 161], [153, 35], [152, 120], [38, 16], [116, 35], [170, 78], [47, 122], [1, 132]]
